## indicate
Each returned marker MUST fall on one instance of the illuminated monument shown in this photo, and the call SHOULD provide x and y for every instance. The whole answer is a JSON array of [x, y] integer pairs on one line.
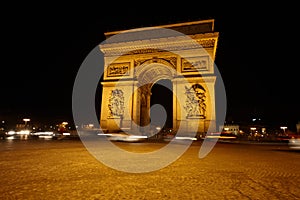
[[133, 65]]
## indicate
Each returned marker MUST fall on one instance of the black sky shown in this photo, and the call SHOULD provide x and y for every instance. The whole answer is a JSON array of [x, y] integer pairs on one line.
[[257, 56]]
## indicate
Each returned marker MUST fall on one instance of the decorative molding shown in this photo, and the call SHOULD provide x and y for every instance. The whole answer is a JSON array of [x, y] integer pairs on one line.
[[207, 43], [144, 51], [171, 60], [138, 62], [160, 45]]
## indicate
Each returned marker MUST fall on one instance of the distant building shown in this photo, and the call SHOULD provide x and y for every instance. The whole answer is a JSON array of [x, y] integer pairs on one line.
[[230, 128], [20, 126]]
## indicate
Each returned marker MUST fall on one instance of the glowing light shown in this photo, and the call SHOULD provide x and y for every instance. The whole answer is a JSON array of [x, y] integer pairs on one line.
[[138, 136], [11, 132], [43, 133], [185, 138], [23, 132], [283, 128]]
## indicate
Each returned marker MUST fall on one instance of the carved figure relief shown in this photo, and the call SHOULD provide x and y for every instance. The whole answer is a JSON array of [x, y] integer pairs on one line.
[[118, 69], [116, 103], [195, 64], [195, 101]]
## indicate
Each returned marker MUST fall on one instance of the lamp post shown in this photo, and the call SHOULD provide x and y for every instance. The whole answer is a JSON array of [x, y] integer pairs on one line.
[[252, 134], [283, 128], [26, 120], [252, 129], [64, 123]]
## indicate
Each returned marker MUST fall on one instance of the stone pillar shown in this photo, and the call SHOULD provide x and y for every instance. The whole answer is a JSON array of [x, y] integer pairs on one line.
[[145, 93], [136, 108]]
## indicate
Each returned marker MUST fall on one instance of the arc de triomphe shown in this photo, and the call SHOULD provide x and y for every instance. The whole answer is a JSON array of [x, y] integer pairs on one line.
[[134, 64]]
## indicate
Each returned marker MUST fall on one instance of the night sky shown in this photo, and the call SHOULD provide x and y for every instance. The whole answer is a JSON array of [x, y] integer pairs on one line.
[[257, 56]]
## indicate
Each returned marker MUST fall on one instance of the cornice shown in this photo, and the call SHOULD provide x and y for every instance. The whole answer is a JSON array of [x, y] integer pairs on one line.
[[205, 40]]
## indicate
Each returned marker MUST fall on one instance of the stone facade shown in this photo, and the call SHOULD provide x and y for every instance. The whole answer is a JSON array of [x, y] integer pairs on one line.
[[132, 66]]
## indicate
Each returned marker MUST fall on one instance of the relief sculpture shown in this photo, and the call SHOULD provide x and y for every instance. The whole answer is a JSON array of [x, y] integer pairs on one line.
[[195, 64], [116, 103], [195, 101], [118, 69]]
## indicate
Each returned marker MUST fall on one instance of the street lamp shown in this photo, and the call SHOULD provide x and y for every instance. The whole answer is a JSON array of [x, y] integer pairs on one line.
[[252, 129], [283, 128], [64, 123], [26, 120]]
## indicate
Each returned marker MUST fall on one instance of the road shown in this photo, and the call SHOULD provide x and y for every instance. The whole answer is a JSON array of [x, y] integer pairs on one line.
[[66, 170]]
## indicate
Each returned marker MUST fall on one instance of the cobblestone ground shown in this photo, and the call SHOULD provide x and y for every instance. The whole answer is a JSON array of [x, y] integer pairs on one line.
[[66, 170]]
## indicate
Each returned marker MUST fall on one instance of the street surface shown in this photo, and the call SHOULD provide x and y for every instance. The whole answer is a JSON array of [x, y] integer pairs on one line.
[[52, 169]]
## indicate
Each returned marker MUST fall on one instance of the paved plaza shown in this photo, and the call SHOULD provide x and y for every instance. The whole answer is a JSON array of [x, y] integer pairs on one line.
[[66, 170]]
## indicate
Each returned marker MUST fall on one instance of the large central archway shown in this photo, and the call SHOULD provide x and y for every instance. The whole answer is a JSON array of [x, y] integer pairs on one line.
[[162, 94], [150, 74]]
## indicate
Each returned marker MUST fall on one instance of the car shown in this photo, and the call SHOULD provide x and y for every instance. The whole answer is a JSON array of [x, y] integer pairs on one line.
[[124, 137], [283, 138], [294, 143], [221, 136]]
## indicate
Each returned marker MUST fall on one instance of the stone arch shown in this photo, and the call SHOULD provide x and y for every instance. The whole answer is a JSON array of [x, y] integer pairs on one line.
[[153, 70], [134, 65], [162, 95], [147, 75]]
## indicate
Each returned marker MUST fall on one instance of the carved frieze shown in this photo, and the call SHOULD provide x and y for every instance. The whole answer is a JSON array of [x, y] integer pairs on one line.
[[193, 64], [118, 69], [144, 51], [207, 43], [170, 60]]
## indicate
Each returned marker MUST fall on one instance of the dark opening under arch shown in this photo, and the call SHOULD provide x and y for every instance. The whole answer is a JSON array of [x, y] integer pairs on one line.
[[162, 93]]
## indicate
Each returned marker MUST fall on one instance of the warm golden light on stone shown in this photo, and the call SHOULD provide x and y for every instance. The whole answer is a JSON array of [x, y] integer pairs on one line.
[[133, 66]]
